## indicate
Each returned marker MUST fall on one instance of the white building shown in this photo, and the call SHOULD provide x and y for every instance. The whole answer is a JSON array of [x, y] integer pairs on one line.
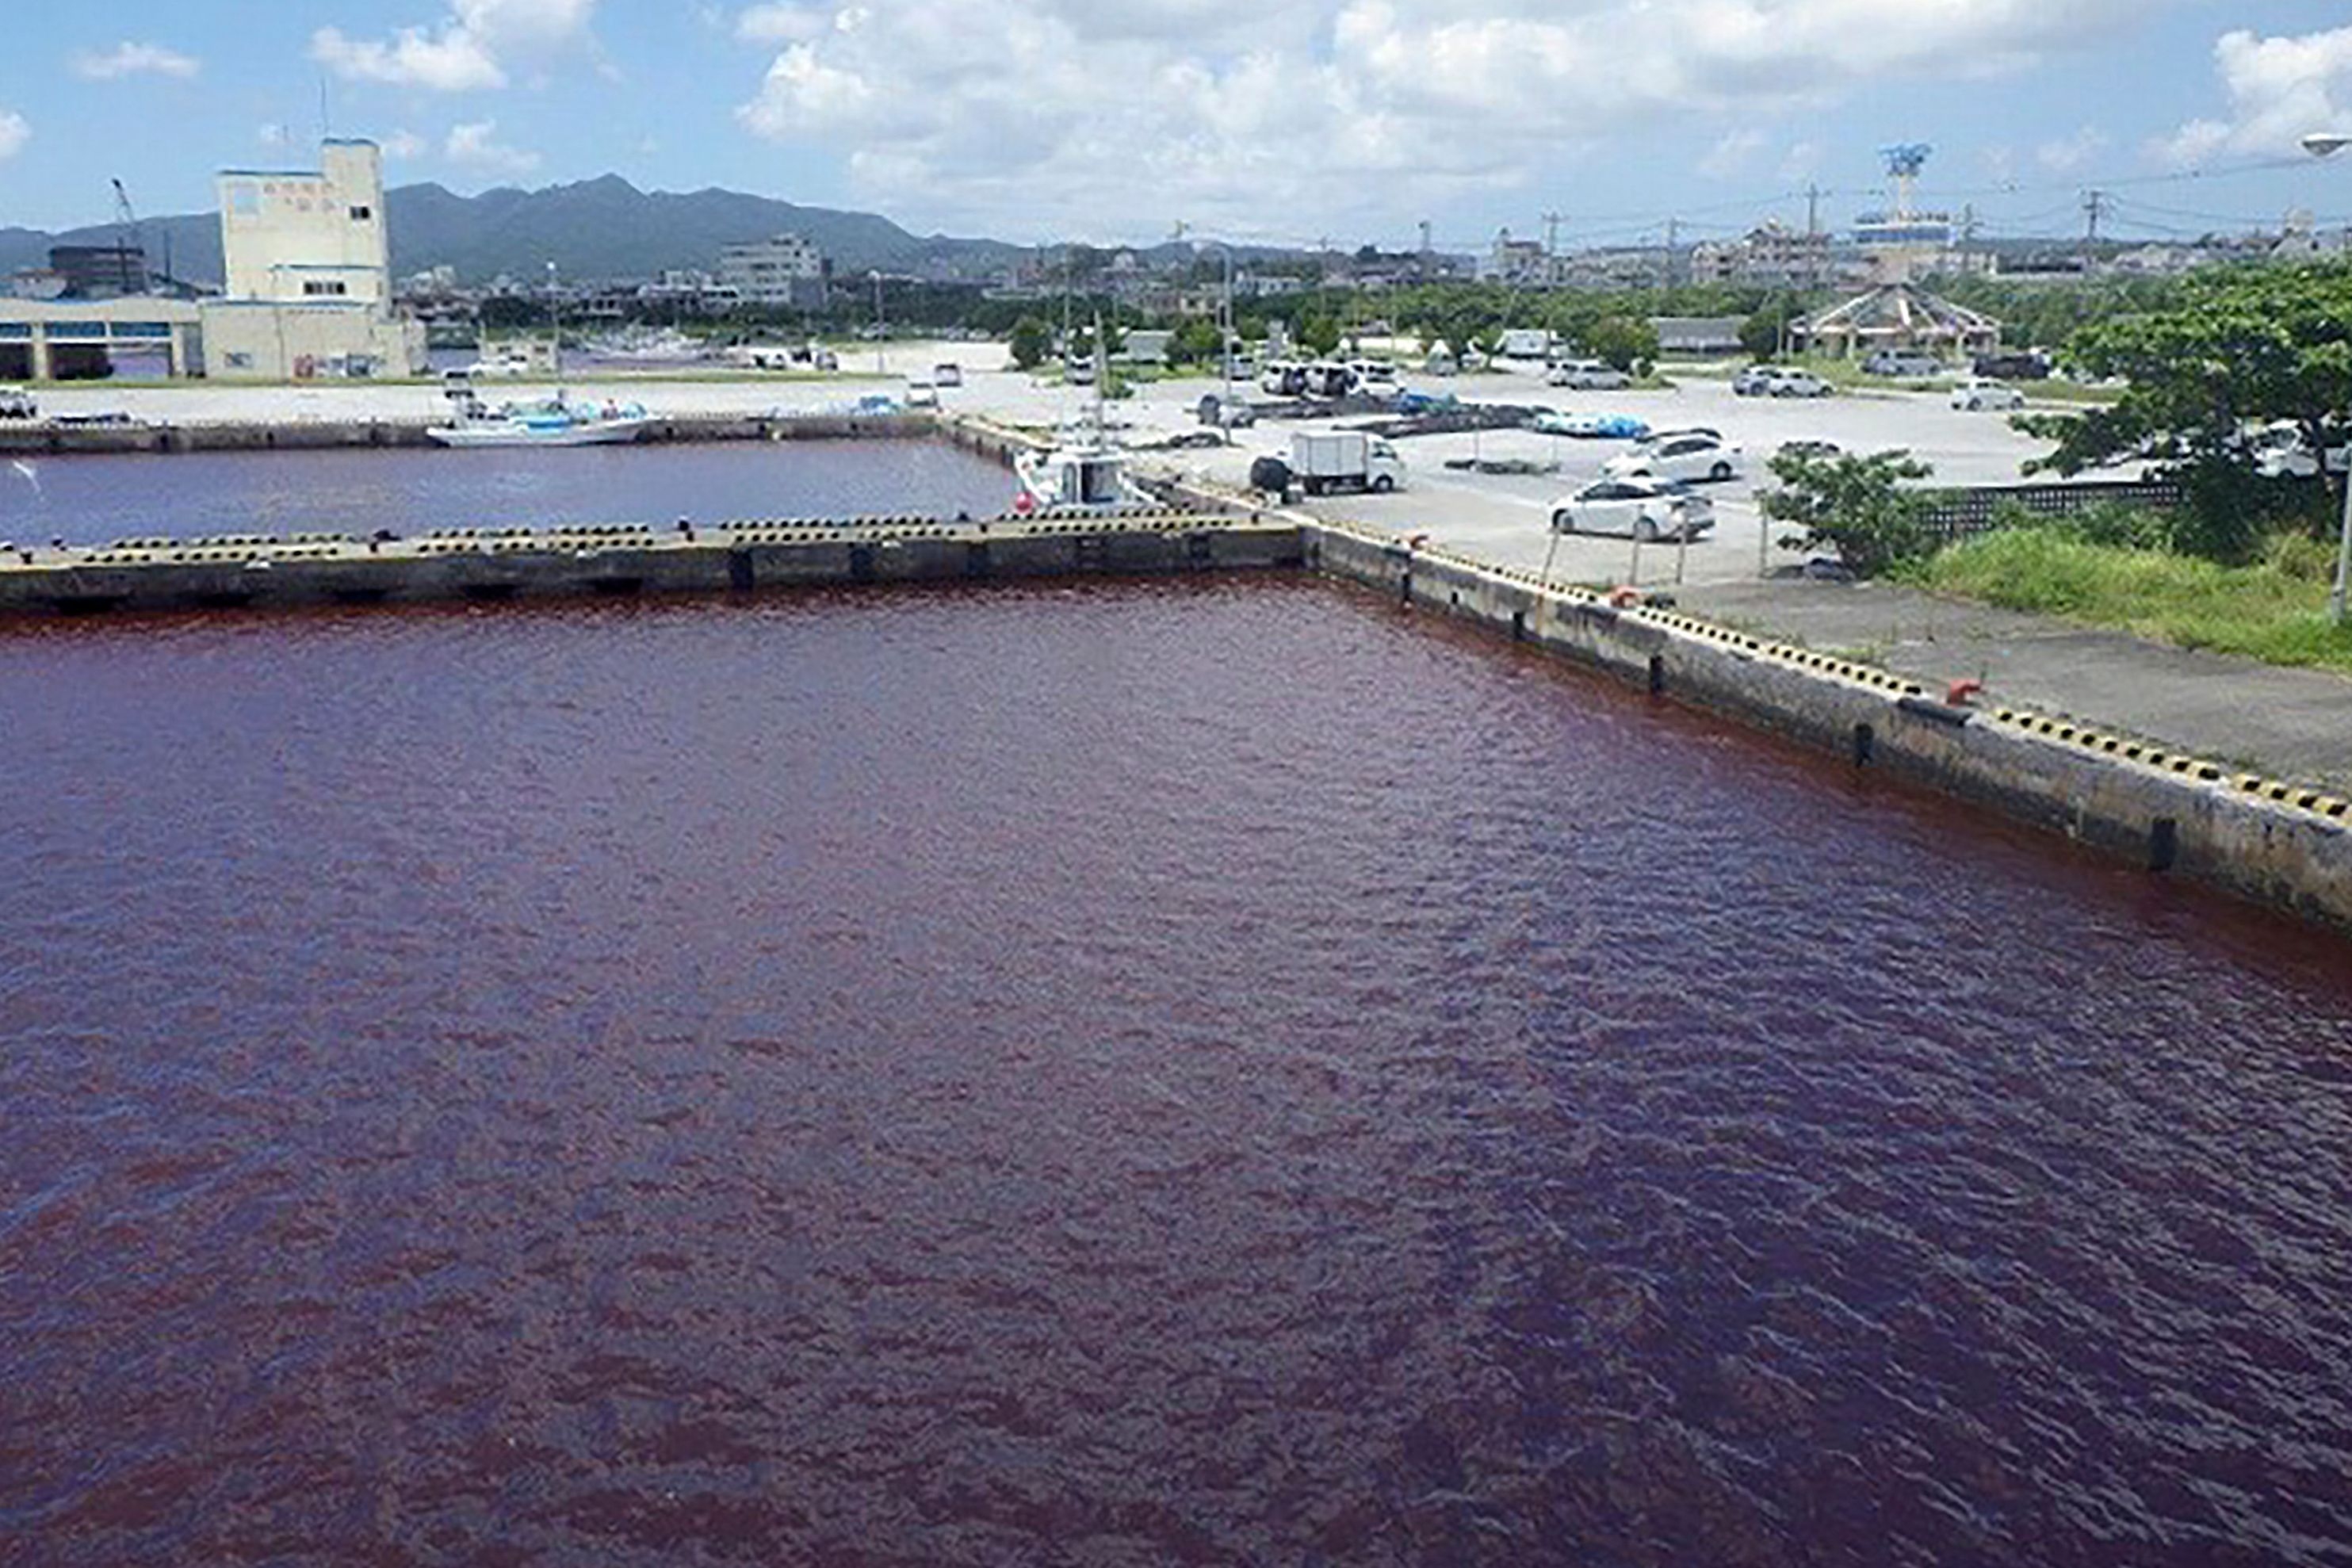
[[785, 270], [308, 262]]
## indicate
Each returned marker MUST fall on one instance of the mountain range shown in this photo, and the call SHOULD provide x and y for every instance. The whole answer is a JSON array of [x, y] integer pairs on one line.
[[601, 228]]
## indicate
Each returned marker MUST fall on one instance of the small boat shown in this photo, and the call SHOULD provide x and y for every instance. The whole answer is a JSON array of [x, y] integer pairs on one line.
[[1082, 476], [552, 422], [1083, 471]]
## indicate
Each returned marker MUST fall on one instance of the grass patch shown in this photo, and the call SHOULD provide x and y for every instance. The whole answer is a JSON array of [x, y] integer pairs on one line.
[[2275, 611]]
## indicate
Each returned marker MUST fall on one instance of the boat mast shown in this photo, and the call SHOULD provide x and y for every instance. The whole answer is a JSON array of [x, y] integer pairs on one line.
[[555, 319]]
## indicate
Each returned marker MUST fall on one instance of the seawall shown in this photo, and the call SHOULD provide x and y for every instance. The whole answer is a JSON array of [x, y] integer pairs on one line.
[[54, 439], [258, 573], [2258, 838]]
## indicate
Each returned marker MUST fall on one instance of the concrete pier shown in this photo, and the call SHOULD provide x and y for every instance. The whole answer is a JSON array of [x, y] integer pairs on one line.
[[257, 572], [55, 439]]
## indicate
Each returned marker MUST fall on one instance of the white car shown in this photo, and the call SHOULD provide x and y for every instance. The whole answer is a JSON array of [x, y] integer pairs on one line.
[[1591, 374], [1798, 383], [1642, 508], [2280, 452], [1690, 457], [1979, 394]]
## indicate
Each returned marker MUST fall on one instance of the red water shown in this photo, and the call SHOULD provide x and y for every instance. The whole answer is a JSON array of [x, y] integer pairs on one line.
[[1130, 1075]]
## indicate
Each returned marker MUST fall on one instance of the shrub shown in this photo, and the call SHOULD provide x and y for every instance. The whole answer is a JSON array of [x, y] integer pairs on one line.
[[1857, 506]]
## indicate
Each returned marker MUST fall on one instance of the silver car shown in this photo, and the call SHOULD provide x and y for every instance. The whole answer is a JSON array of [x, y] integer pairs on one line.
[[1638, 508]]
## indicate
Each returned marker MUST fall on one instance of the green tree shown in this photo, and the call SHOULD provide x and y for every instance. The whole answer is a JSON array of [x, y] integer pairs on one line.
[[1858, 506], [2233, 347], [1196, 342], [1624, 341], [1031, 341], [1766, 327], [1319, 335]]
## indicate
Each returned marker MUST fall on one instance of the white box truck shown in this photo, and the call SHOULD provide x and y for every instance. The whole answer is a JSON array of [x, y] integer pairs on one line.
[[1324, 460]]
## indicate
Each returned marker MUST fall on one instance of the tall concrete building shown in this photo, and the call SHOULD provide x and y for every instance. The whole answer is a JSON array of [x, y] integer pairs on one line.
[[785, 270], [309, 274]]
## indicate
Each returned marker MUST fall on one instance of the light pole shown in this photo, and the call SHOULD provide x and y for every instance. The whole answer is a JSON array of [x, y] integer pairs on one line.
[[2327, 144]]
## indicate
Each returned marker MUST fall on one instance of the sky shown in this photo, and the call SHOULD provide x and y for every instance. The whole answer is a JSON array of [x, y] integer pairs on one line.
[[1286, 121]]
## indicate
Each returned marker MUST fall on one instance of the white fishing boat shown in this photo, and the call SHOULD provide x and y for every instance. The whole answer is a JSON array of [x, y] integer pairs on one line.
[[1084, 470], [1082, 474], [557, 421]]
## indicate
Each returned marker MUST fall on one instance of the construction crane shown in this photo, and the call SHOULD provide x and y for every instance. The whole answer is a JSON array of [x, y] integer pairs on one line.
[[131, 245]]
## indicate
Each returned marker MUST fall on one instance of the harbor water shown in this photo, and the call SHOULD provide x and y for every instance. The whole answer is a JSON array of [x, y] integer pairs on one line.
[[1131, 1073], [411, 490]]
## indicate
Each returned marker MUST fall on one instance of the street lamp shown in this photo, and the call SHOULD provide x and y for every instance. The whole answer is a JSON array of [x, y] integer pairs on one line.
[[2324, 144]]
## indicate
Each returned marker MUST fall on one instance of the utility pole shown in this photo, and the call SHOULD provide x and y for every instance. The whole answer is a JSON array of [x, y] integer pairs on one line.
[[1552, 221], [1426, 254], [1813, 210], [1674, 242], [2094, 207]]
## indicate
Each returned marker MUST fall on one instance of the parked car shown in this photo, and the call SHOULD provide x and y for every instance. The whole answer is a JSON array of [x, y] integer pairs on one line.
[[1794, 383], [1911, 362], [1756, 381], [1327, 378], [922, 394], [1412, 401], [1374, 375], [15, 403], [1284, 378], [1078, 371], [1589, 375], [947, 375], [1227, 413], [2281, 451], [1808, 448], [2014, 364], [1642, 508], [1690, 457], [1978, 393]]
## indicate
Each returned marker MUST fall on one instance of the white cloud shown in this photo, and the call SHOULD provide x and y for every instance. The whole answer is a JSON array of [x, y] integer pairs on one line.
[[270, 133], [403, 144], [476, 146], [135, 59], [2068, 154], [453, 61], [2279, 89], [470, 51], [782, 24], [1246, 114], [15, 132], [1733, 153]]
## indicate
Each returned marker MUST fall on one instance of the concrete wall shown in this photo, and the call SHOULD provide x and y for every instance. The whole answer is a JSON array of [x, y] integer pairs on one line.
[[2260, 839], [269, 340], [502, 563]]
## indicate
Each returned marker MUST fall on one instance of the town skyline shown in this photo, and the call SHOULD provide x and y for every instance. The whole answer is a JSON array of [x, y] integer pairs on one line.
[[1305, 127]]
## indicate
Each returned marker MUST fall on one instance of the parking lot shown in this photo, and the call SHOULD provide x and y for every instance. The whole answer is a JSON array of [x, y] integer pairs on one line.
[[1503, 517]]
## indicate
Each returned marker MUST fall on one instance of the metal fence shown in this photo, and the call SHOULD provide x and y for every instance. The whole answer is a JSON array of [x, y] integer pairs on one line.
[[1958, 514]]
